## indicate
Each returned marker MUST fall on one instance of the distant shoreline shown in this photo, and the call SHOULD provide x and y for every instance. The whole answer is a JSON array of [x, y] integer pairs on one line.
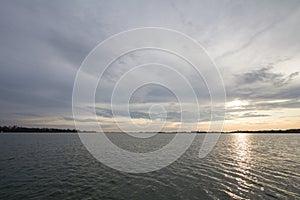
[[17, 129]]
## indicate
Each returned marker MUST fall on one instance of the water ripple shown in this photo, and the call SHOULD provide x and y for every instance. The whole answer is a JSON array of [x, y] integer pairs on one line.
[[57, 166]]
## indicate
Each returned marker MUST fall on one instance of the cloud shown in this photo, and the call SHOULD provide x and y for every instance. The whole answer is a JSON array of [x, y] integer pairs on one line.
[[103, 112], [44, 43], [27, 114], [257, 34], [139, 115], [169, 114], [254, 108], [295, 104], [253, 114], [238, 115], [79, 120], [261, 83], [265, 75]]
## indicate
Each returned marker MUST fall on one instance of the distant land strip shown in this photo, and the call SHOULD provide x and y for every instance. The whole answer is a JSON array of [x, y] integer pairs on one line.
[[18, 129]]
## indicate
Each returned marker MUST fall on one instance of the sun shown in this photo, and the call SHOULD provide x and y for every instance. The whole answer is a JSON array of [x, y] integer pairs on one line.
[[236, 103]]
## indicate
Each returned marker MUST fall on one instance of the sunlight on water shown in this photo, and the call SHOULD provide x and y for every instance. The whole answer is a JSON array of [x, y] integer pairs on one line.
[[243, 152], [243, 159], [241, 166]]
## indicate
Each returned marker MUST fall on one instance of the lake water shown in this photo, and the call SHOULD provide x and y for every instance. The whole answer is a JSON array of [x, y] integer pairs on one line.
[[241, 166]]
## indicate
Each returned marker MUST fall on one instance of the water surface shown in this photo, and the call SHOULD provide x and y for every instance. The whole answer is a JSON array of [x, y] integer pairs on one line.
[[241, 166]]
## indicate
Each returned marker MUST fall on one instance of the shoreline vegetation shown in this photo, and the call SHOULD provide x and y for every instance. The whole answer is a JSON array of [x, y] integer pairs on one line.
[[18, 129]]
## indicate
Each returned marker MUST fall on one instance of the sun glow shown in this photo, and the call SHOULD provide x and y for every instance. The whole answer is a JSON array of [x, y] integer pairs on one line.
[[236, 104]]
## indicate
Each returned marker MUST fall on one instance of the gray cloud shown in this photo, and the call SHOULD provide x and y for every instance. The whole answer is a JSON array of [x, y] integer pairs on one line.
[[259, 33], [139, 115], [170, 116], [295, 103], [262, 83], [265, 75], [103, 112], [79, 120], [253, 114], [235, 115], [44, 43]]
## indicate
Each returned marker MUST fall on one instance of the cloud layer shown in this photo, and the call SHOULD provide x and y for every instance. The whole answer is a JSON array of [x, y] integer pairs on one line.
[[255, 44]]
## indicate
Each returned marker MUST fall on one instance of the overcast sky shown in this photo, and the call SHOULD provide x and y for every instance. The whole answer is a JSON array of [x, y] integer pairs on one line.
[[255, 44]]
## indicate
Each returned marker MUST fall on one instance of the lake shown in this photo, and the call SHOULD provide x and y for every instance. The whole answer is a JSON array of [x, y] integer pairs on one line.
[[241, 166]]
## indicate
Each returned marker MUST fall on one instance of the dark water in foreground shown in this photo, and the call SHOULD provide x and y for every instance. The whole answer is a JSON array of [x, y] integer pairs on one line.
[[242, 166]]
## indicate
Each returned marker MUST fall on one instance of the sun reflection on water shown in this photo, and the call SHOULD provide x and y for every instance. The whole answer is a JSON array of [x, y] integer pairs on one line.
[[243, 161], [242, 150]]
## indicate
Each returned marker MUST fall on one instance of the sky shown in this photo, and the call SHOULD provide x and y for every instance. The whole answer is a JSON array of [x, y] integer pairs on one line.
[[255, 45]]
